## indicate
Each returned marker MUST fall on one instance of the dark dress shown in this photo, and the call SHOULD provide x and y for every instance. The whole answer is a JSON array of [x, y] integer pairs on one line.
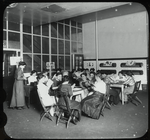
[[18, 96], [92, 104], [66, 88]]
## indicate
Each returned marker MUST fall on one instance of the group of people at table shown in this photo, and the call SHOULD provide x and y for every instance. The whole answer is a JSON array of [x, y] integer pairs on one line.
[[81, 86]]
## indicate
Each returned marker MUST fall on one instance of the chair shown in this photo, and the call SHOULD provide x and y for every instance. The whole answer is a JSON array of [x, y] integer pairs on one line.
[[67, 110], [46, 109], [133, 97], [105, 100]]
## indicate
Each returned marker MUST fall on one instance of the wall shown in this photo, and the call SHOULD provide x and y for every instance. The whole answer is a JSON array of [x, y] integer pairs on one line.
[[89, 40], [118, 37], [123, 37]]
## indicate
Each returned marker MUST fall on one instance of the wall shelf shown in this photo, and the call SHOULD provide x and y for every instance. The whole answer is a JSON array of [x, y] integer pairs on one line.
[[135, 65], [109, 71], [135, 72], [104, 65]]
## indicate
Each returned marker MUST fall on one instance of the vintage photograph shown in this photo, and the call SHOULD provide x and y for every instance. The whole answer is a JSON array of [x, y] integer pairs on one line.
[[75, 70]]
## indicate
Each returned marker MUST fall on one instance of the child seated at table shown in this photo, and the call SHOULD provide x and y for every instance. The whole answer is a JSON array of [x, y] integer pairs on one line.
[[66, 88], [32, 79]]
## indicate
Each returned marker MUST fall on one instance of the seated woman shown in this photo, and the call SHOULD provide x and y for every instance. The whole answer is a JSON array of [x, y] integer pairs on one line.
[[114, 92], [85, 84], [129, 84], [65, 87], [43, 91], [32, 79], [91, 105]]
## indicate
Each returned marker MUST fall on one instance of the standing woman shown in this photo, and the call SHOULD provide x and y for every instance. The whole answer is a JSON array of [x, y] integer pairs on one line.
[[18, 96]]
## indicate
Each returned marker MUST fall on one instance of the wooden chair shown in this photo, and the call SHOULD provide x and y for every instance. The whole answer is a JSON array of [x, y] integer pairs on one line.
[[133, 97], [66, 113], [46, 109], [105, 100]]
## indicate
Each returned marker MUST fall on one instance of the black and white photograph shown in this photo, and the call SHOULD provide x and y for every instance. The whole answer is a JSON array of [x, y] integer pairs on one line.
[[75, 70]]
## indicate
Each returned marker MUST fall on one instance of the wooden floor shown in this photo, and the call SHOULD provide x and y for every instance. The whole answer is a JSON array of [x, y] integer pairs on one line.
[[122, 121]]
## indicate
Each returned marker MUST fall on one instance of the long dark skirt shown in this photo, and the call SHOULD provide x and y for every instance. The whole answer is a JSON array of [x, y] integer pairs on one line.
[[92, 104]]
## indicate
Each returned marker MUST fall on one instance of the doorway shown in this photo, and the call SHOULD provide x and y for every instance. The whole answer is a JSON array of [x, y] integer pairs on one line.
[[8, 73]]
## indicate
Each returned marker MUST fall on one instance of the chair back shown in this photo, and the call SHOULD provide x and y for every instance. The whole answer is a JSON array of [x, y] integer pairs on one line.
[[41, 101], [65, 107], [136, 87]]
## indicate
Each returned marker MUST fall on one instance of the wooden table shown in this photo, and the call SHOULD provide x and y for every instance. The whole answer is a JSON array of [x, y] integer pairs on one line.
[[119, 85], [78, 92]]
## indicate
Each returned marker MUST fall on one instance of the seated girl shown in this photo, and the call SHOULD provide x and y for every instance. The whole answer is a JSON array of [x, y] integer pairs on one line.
[[43, 91], [85, 84], [32, 79], [91, 105], [65, 87], [129, 83]]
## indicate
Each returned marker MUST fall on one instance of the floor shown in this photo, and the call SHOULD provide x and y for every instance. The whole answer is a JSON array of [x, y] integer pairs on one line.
[[122, 121]]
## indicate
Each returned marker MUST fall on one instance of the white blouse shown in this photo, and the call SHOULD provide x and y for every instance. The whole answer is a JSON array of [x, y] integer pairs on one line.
[[43, 93], [100, 86]]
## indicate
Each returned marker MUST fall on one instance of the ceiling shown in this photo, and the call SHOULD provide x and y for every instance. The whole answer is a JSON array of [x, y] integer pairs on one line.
[[42, 13]]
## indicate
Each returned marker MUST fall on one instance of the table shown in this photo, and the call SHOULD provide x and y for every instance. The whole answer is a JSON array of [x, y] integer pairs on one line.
[[79, 92], [119, 85]]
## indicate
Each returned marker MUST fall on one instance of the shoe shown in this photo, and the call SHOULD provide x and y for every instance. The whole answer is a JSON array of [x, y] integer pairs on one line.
[[23, 107], [74, 120], [11, 107], [19, 108]]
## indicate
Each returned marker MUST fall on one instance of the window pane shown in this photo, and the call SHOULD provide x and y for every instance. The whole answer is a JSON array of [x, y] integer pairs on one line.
[[73, 34], [4, 35], [79, 35], [37, 62], [67, 21], [67, 47], [37, 30], [61, 62], [13, 40], [67, 32], [4, 39], [74, 47], [61, 21], [61, 47], [36, 44], [45, 45], [54, 59], [80, 48], [27, 45], [73, 23], [67, 62], [54, 30], [4, 24], [54, 46], [26, 28], [28, 59], [79, 25], [13, 26], [45, 30], [60, 31], [45, 59]]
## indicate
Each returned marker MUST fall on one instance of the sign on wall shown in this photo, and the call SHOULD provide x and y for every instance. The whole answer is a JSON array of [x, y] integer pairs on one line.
[[50, 64], [15, 60]]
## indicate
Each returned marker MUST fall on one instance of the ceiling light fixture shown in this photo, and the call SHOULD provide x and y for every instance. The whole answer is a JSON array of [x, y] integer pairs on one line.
[[12, 5]]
